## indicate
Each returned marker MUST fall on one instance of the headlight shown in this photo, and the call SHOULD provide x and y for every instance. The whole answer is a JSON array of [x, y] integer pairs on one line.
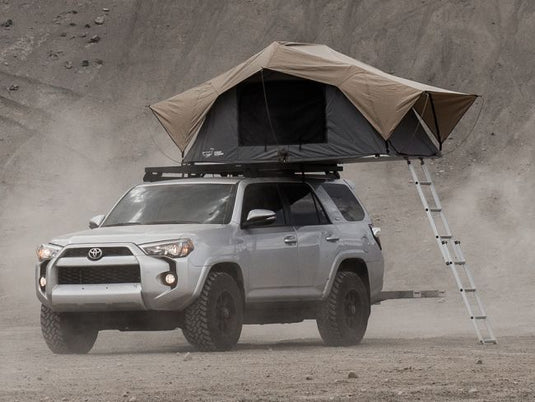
[[174, 249], [47, 251]]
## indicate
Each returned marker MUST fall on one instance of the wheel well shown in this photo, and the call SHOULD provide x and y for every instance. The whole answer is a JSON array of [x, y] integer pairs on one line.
[[359, 267], [233, 270]]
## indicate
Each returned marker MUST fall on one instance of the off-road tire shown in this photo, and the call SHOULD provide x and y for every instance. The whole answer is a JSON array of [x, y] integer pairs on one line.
[[66, 333], [343, 317], [214, 321]]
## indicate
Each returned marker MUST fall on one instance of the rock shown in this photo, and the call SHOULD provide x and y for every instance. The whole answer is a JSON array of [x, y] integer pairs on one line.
[[64, 399], [72, 24], [94, 39], [68, 65], [308, 378], [125, 394], [85, 63], [133, 399], [7, 23], [54, 55], [352, 374], [99, 20], [188, 357], [13, 87], [472, 390], [87, 26], [63, 34], [479, 361], [400, 393], [83, 35], [106, 10], [99, 62]]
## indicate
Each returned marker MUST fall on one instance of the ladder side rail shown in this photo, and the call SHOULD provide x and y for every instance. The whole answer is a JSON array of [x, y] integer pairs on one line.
[[458, 281], [425, 203], [436, 198], [459, 252]]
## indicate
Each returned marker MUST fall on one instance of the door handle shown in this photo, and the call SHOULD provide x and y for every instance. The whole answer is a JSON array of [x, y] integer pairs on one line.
[[332, 238], [290, 240]]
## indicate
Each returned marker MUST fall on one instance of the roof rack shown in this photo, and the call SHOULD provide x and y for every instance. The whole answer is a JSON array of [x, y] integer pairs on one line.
[[329, 170]]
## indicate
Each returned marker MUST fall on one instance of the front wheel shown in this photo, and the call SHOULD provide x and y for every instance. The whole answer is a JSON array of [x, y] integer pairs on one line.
[[66, 333], [214, 321], [343, 317]]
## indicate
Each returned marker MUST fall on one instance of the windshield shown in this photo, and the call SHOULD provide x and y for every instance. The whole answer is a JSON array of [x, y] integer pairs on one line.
[[174, 204]]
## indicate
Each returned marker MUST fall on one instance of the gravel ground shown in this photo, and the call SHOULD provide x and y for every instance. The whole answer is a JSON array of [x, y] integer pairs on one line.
[[161, 366]]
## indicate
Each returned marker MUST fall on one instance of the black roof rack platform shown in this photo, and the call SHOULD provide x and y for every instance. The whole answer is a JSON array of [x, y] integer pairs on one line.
[[153, 174]]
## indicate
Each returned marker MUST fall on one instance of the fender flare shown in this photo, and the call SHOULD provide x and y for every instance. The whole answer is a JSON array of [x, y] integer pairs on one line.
[[335, 266]]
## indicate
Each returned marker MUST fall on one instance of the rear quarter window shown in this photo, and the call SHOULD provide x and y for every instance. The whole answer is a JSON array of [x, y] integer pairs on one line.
[[345, 201]]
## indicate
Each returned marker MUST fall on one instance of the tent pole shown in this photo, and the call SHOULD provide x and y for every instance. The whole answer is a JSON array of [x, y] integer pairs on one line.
[[435, 120]]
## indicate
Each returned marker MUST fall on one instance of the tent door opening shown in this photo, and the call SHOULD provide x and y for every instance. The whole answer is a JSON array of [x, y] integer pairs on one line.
[[280, 109]]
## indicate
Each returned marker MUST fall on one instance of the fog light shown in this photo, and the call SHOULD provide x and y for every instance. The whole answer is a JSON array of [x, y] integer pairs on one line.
[[42, 281], [170, 279]]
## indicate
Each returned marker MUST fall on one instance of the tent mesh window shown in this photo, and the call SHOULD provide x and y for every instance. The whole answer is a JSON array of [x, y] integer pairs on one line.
[[279, 109]]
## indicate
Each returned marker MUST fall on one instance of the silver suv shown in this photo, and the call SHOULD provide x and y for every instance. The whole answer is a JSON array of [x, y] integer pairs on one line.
[[209, 254]]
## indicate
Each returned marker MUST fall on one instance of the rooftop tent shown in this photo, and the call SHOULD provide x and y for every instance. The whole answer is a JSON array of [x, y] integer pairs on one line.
[[299, 102]]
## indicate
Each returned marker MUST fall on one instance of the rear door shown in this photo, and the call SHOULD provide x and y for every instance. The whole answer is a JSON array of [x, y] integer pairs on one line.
[[317, 238], [271, 251]]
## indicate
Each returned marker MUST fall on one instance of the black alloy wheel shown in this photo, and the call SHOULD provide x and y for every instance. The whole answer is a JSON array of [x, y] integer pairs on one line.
[[342, 318]]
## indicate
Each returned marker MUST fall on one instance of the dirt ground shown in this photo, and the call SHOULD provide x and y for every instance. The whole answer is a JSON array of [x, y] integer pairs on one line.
[[266, 367], [75, 133]]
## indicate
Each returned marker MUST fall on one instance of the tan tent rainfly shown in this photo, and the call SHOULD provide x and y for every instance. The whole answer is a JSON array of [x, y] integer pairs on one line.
[[383, 99]]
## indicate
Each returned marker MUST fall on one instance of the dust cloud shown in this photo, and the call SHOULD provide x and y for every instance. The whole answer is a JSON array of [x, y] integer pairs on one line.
[[73, 140]]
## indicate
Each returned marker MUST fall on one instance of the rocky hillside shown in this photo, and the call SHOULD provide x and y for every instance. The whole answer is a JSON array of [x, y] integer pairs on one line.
[[75, 131]]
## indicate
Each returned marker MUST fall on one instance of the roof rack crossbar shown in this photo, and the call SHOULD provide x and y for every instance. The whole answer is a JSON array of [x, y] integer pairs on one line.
[[160, 173]]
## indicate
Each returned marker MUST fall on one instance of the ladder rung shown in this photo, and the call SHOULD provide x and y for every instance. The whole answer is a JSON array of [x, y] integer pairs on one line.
[[468, 290], [424, 183], [479, 317], [489, 340], [435, 209], [459, 262], [445, 236]]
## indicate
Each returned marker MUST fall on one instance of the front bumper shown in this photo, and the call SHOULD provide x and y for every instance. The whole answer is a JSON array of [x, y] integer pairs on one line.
[[76, 283]]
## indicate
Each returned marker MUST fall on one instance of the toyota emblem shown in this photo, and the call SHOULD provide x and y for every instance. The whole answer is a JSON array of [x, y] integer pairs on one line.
[[94, 254]]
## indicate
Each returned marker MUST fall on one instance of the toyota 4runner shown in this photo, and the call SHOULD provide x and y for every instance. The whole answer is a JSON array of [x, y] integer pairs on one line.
[[209, 254]]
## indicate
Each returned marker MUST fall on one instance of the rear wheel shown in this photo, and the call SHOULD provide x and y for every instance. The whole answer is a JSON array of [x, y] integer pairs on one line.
[[343, 317], [66, 333], [214, 321]]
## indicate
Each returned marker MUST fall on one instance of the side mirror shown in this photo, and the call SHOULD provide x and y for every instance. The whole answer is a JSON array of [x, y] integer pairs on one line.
[[95, 221], [259, 217]]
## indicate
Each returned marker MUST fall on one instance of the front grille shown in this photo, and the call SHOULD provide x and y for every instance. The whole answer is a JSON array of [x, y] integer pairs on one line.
[[98, 275], [106, 251]]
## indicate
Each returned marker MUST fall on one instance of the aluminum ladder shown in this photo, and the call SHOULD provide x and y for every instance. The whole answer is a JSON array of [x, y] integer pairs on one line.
[[452, 253]]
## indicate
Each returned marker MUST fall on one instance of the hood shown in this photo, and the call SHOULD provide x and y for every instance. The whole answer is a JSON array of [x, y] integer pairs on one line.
[[137, 234]]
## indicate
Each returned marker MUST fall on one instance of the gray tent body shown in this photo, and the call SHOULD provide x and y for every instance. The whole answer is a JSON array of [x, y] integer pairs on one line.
[[343, 133]]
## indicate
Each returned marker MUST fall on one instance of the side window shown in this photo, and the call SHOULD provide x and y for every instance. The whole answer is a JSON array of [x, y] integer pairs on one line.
[[345, 201], [305, 209], [263, 196]]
